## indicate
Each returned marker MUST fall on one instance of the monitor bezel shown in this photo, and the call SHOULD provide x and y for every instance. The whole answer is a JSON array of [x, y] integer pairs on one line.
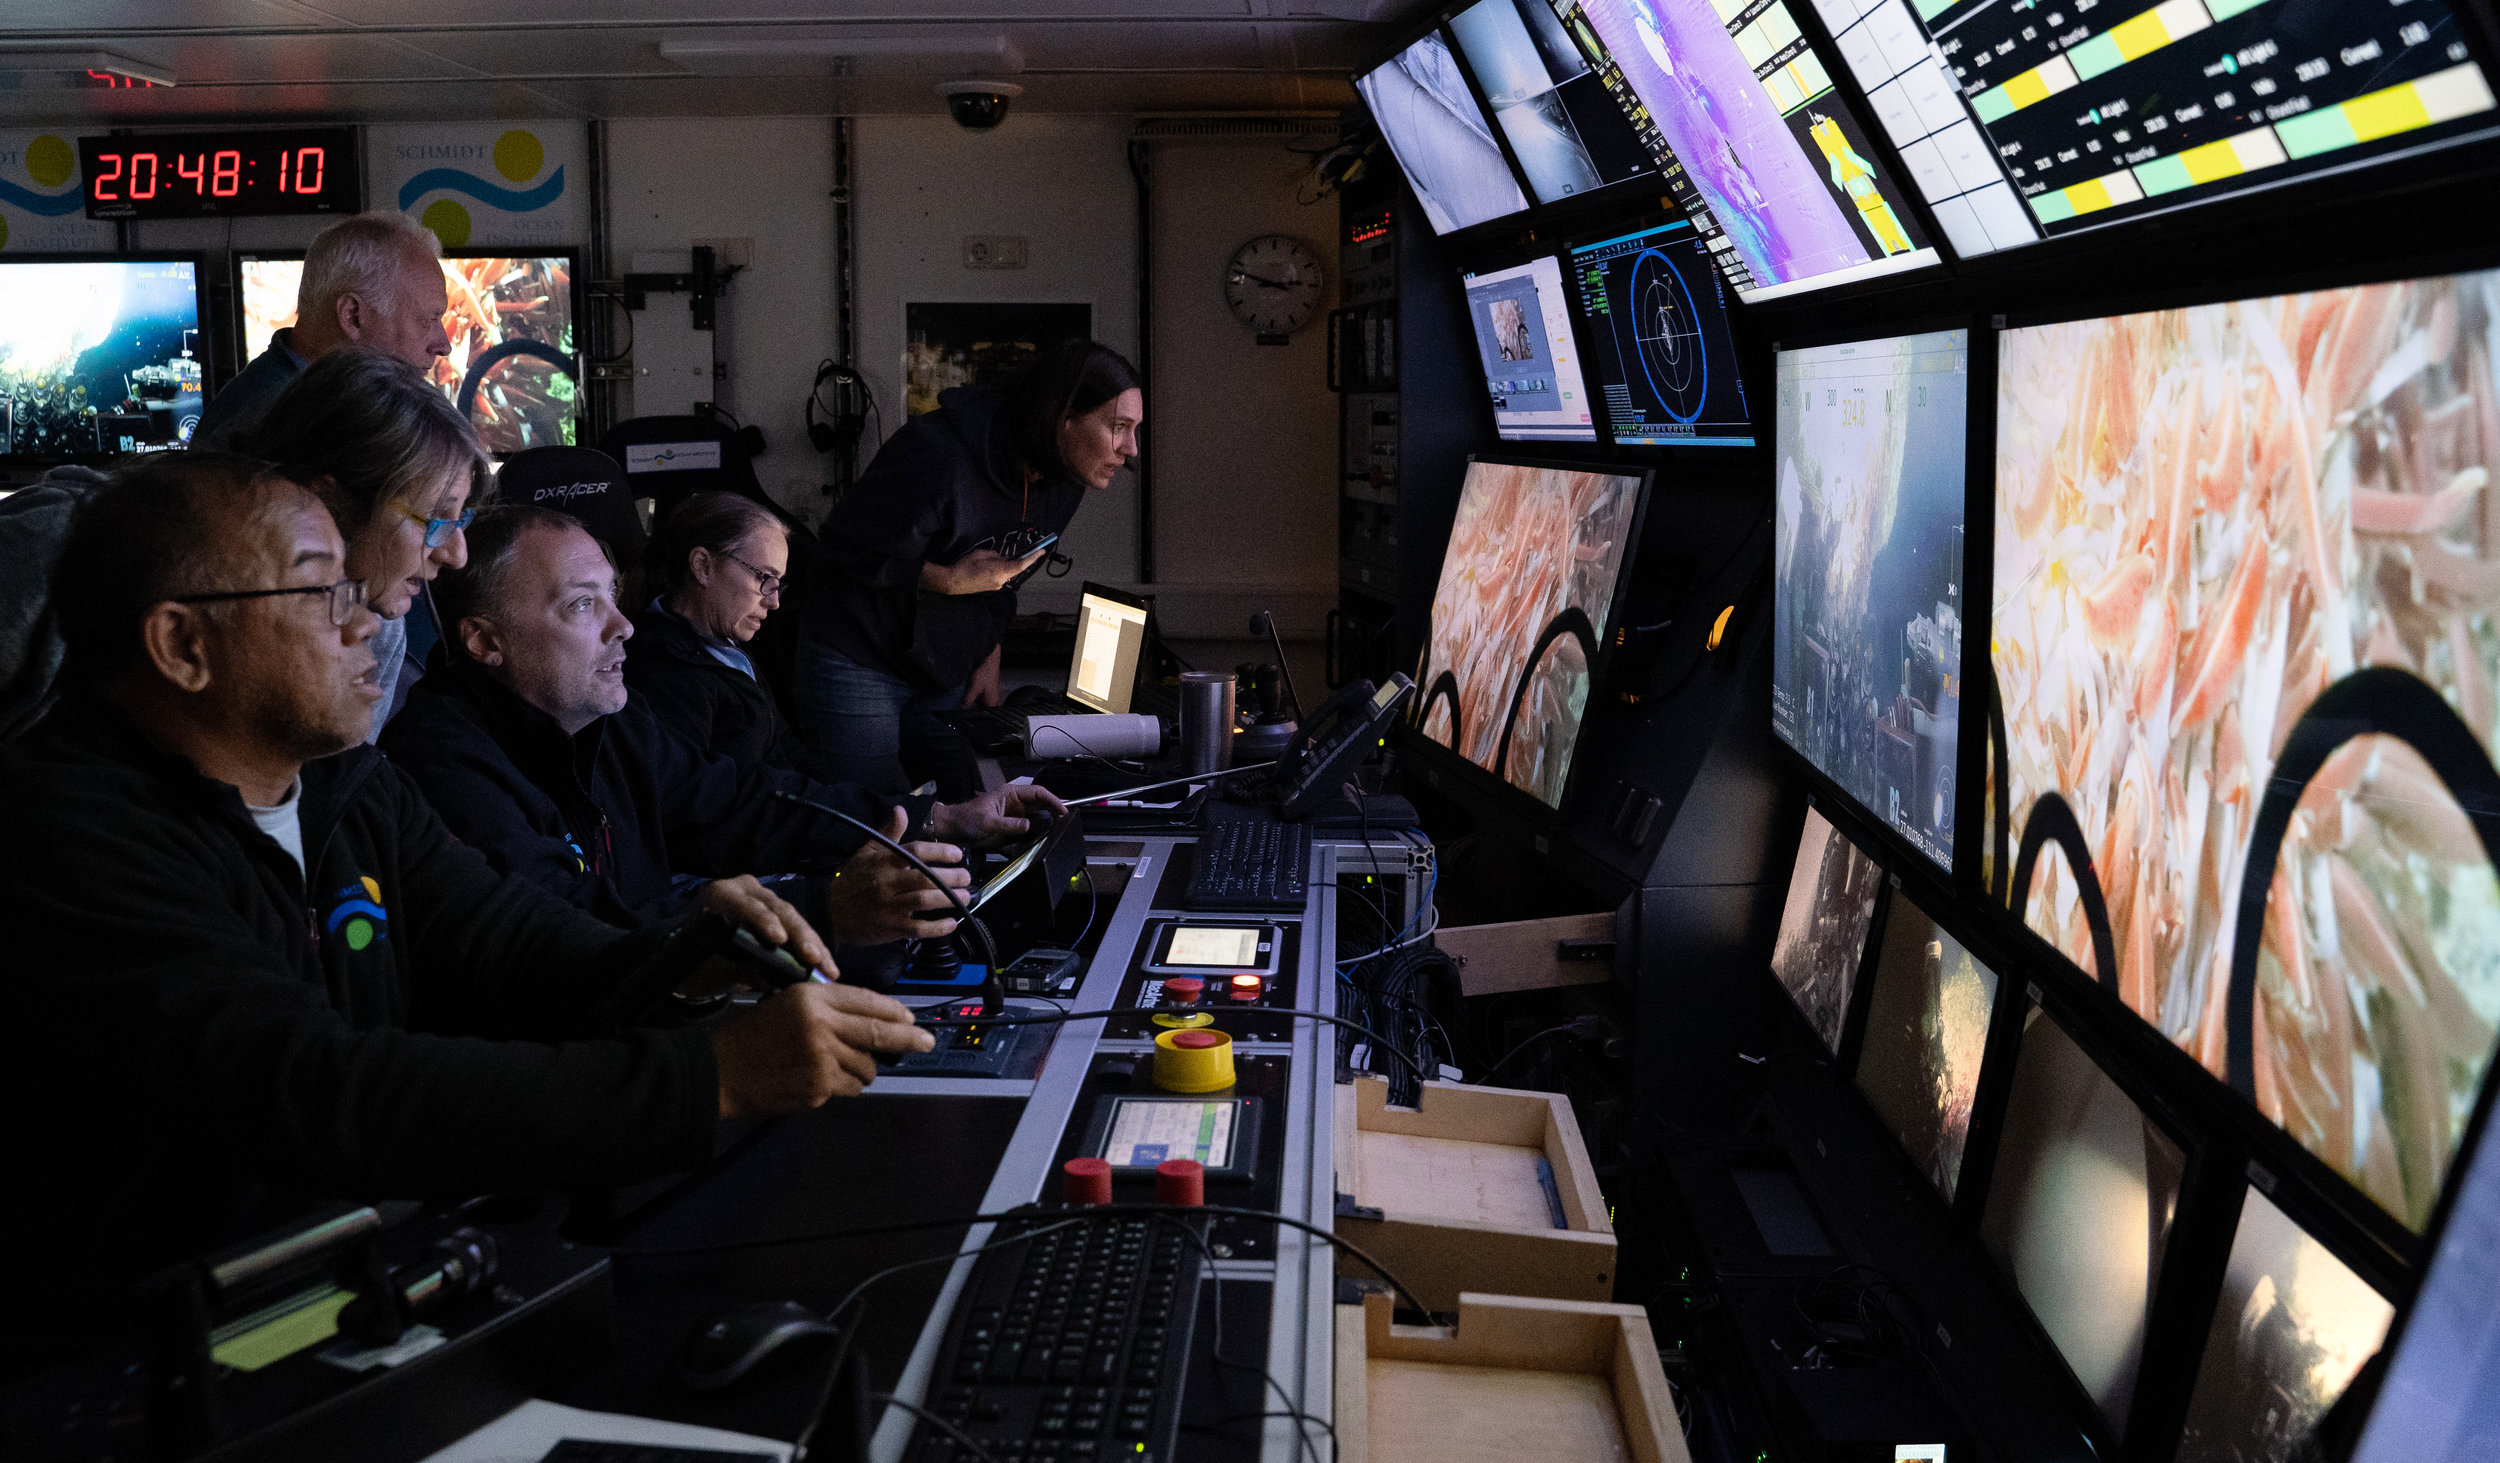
[[209, 330], [1961, 874], [571, 256], [1441, 761], [1754, 360]]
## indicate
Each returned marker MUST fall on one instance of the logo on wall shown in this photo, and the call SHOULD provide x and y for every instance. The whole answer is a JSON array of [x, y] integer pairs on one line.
[[483, 184], [358, 915], [42, 205]]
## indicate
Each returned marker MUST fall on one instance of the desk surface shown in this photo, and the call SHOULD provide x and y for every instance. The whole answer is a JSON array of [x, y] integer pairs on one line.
[[926, 1148]]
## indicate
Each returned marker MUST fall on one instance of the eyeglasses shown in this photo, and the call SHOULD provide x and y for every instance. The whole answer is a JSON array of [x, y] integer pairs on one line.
[[346, 597], [767, 583], [437, 530]]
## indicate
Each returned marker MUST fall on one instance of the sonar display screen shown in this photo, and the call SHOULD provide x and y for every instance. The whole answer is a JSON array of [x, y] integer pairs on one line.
[[1659, 342], [98, 358], [1867, 638], [1745, 105], [1523, 344], [1553, 107], [1520, 615], [1440, 137]]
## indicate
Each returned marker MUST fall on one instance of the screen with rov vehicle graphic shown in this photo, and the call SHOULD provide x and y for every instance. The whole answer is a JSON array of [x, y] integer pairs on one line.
[[1524, 345], [98, 358]]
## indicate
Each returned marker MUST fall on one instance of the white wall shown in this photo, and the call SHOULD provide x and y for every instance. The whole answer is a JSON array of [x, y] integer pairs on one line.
[[672, 181], [922, 183], [1245, 434]]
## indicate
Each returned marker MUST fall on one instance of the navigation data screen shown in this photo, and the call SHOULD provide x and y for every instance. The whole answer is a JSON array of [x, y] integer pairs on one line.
[[1866, 668], [1658, 340], [2099, 110], [1566, 131], [1523, 340], [1741, 100]]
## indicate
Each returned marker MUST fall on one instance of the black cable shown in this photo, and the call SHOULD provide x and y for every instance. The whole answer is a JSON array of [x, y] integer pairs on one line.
[[963, 911], [1036, 1019], [1215, 1352], [1091, 1212], [925, 1415], [1488, 1072]]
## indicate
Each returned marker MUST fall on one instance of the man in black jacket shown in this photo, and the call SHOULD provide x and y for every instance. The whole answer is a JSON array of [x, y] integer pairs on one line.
[[248, 966], [531, 746]]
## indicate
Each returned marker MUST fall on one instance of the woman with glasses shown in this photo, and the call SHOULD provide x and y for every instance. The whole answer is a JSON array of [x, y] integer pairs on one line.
[[923, 554], [714, 571], [399, 470]]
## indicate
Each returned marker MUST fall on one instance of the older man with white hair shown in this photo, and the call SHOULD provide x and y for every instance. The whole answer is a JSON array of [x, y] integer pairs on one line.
[[375, 279]]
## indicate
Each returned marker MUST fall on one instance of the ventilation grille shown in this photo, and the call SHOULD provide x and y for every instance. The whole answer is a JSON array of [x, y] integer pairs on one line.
[[1180, 129]]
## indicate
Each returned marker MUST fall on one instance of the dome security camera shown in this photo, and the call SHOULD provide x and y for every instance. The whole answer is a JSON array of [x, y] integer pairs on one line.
[[978, 106]]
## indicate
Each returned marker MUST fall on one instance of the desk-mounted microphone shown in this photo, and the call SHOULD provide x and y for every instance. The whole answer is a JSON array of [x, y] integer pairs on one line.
[[1264, 623]]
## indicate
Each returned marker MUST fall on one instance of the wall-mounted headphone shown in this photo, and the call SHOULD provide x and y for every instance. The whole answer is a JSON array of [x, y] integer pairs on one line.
[[844, 408]]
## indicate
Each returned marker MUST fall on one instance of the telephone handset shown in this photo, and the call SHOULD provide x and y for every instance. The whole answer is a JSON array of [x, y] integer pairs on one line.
[[1334, 740]]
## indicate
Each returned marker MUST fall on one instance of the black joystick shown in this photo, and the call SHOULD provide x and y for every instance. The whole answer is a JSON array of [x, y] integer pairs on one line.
[[934, 960]]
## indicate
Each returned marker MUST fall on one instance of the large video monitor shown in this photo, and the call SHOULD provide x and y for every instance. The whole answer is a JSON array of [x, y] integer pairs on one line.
[[2079, 1210], [2292, 1327], [1926, 1035], [2443, 1369], [2100, 116], [1867, 637], [1746, 107], [1440, 137], [1659, 343], [98, 356], [1524, 347], [1822, 938], [2205, 517], [1563, 127], [513, 313], [1520, 618]]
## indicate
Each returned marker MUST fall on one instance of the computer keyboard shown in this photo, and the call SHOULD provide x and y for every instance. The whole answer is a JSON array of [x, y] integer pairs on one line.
[[1249, 864], [1070, 1347]]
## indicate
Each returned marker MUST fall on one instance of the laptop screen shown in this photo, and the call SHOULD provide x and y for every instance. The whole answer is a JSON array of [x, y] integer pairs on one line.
[[1110, 635]]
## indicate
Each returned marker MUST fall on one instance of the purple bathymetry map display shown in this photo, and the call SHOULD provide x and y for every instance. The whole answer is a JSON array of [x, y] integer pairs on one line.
[[1686, 69]]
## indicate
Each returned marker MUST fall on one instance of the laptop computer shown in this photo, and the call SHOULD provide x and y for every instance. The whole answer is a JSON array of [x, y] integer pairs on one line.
[[1103, 674]]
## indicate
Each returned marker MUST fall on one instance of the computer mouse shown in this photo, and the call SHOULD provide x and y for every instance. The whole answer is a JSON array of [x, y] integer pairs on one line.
[[737, 1343]]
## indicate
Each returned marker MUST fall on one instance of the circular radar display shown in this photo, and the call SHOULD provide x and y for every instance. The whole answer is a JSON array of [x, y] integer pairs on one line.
[[1666, 333]]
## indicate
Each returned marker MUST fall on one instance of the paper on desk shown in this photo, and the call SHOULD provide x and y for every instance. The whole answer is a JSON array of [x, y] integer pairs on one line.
[[524, 1435]]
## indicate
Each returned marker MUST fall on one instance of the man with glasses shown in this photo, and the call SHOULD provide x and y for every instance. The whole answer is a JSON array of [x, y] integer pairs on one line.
[[248, 966], [528, 739]]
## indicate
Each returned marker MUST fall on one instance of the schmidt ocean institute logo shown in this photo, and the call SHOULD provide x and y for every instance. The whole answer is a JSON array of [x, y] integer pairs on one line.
[[518, 156], [50, 163], [358, 914]]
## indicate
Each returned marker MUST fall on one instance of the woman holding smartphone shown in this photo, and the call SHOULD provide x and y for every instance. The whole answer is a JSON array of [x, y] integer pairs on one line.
[[921, 556]]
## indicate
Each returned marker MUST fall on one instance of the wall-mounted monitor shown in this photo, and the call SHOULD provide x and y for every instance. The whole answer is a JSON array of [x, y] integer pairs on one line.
[[1441, 138], [1746, 106], [1926, 1034], [510, 321], [1551, 104], [99, 357], [2055, 120], [1525, 350], [2206, 517], [1867, 637], [2291, 1328], [1520, 618], [1659, 344], [2079, 1210], [2443, 1369], [1822, 938]]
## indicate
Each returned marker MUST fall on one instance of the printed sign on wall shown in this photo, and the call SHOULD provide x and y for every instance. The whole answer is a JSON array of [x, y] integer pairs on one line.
[[42, 206], [484, 183]]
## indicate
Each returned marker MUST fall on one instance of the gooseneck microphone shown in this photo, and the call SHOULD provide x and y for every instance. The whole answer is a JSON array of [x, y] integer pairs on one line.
[[1264, 623]]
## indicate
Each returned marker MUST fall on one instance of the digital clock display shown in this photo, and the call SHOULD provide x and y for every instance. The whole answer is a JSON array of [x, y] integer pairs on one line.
[[222, 174]]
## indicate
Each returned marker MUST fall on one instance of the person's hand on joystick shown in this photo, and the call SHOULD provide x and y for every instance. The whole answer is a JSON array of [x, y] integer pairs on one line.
[[878, 897]]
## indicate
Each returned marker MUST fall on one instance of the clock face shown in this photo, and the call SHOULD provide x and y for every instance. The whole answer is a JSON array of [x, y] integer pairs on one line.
[[1273, 284]]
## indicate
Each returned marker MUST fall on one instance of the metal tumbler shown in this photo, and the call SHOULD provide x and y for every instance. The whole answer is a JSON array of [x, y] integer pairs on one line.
[[1206, 721]]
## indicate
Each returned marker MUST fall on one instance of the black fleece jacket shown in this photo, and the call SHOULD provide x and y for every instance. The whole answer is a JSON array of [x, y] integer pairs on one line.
[[203, 1038], [946, 484], [603, 818], [713, 706]]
